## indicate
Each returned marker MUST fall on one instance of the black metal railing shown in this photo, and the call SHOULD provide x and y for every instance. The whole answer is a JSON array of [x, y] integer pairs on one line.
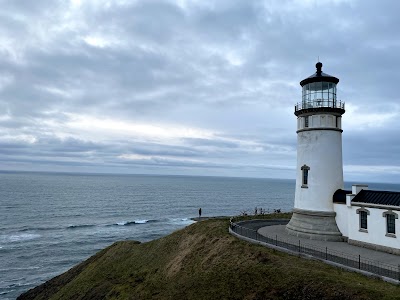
[[318, 103], [324, 253]]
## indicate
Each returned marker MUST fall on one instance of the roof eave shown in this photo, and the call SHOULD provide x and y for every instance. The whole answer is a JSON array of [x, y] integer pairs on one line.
[[319, 79], [373, 205]]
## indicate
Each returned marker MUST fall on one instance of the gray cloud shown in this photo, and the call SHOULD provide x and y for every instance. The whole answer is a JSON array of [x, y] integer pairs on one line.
[[189, 87]]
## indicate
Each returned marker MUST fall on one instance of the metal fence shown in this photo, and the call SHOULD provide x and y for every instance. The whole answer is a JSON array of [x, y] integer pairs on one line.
[[349, 260], [318, 103]]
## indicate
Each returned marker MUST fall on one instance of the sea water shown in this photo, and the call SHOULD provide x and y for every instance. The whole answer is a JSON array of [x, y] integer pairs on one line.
[[50, 222]]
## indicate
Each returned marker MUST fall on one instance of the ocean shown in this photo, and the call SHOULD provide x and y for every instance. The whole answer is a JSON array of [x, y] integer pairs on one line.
[[50, 222]]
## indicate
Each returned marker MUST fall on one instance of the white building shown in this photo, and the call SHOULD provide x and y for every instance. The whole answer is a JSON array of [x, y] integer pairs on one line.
[[369, 218], [322, 209]]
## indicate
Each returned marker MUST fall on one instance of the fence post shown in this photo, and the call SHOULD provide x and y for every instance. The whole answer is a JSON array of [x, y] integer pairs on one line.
[[326, 253], [276, 240], [359, 261], [299, 247]]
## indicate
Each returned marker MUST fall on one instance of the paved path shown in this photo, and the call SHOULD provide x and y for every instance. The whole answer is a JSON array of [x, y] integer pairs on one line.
[[268, 228], [257, 224]]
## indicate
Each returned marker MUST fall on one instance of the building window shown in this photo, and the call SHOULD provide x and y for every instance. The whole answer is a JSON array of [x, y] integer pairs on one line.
[[306, 121], [304, 170], [390, 223], [363, 219]]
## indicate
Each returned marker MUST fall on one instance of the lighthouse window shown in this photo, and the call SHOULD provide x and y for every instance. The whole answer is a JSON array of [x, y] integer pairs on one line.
[[319, 94], [306, 121], [363, 219], [332, 92], [390, 223], [305, 170], [325, 90], [305, 177]]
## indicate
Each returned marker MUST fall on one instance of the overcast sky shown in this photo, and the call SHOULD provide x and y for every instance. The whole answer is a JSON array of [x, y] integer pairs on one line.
[[193, 87]]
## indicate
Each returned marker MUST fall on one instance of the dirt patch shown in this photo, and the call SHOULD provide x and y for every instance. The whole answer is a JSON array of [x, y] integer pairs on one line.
[[185, 247], [218, 248]]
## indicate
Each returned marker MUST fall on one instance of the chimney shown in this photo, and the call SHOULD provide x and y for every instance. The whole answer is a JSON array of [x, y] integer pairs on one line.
[[356, 188]]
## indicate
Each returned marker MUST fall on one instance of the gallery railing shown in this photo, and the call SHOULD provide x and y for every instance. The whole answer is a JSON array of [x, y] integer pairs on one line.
[[349, 260], [318, 103]]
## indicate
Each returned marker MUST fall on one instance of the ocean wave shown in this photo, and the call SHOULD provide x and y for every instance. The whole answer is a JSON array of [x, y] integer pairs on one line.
[[15, 269], [11, 238], [37, 229], [141, 221], [21, 284], [16, 279], [181, 221], [6, 292], [80, 226], [136, 222]]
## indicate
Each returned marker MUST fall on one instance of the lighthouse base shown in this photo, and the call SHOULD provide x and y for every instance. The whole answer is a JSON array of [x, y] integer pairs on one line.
[[314, 225]]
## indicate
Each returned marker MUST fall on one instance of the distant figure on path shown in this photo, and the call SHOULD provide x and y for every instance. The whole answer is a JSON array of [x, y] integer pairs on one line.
[[200, 212]]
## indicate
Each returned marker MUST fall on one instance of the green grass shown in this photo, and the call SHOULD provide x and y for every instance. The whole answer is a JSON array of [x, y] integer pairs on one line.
[[203, 261]]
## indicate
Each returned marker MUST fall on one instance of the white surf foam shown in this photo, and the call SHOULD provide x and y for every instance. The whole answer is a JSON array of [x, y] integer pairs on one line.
[[141, 221], [181, 221], [12, 238]]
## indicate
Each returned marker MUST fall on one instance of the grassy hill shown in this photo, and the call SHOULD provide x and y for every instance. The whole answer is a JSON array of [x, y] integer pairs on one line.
[[203, 261]]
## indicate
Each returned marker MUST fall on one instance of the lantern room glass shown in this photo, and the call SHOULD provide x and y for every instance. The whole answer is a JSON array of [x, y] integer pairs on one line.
[[319, 94]]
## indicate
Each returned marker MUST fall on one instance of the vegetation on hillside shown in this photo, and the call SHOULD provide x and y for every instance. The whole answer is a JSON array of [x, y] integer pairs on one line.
[[203, 261]]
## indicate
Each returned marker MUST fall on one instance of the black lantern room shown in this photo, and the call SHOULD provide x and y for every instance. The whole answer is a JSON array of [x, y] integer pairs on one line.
[[319, 94]]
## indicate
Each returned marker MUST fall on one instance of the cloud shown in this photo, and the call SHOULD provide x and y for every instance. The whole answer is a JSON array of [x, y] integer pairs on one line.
[[359, 118], [191, 87]]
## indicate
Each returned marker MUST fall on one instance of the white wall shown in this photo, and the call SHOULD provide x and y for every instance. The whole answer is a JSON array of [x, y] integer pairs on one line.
[[342, 216], [376, 227], [325, 120], [321, 150]]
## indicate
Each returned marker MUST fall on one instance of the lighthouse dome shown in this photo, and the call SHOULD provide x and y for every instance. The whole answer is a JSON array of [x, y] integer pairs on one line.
[[319, 76]]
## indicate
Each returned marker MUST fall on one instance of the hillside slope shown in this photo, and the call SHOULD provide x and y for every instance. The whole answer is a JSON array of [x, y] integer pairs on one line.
[[203, 261]]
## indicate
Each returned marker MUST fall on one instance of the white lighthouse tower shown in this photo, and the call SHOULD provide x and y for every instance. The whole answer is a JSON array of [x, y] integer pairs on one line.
[[319, 158]]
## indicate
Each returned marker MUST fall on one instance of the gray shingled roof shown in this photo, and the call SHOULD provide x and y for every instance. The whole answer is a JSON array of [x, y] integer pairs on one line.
[[378, 197]]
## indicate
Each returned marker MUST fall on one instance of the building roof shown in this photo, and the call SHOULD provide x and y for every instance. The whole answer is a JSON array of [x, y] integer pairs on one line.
[[378, 197], [319, 76], [340, 196]]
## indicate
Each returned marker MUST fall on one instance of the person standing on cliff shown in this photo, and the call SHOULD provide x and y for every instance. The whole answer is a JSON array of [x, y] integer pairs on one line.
[[199, 212]]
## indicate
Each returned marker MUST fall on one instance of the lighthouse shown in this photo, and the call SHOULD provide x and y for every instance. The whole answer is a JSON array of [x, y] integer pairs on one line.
[[319, 171]]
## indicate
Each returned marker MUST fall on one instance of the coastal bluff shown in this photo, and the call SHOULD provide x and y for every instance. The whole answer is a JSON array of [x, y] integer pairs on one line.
[[203, 261]]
